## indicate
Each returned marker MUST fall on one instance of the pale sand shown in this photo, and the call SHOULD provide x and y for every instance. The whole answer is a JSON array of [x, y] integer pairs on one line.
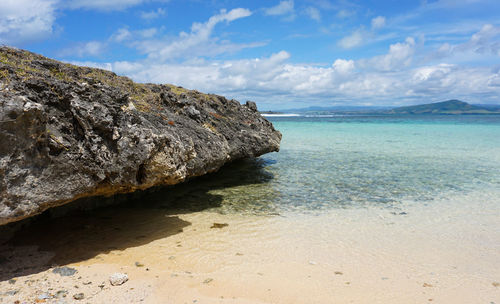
[[445, 252]]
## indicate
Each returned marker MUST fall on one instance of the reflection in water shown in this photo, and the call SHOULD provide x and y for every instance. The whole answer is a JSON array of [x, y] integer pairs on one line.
[[243, 187]]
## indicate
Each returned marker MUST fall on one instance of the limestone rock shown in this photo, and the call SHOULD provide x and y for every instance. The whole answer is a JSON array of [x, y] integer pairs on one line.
[[117, 279], [68, 132]]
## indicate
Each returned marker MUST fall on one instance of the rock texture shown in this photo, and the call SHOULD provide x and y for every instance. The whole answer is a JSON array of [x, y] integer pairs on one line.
[[117, 279], [68, 132]]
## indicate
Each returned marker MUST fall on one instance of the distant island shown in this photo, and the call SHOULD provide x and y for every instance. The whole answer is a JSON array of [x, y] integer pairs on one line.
[[449, 107]]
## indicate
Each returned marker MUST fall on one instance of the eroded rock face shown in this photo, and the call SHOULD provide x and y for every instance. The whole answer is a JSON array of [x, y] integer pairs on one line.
[[68, 132]]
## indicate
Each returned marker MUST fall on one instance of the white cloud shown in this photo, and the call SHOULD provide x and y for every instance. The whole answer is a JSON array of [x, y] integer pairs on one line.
[[283, 8], [395, 76], [378, 22], [485, 41], [494, 81], [199, 42], [343, 66], [426, 73], [23, 21], [153, 14], [385, 77], [356, 39], [343, 13], [147, 33], [313, 13], [361, 36], [451, 80], [121, 35], [399, 56], [274, 79], [91, 48], [482, 45], [125, 34]]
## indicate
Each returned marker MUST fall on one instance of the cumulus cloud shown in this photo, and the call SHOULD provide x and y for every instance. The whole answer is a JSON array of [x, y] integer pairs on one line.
[[397, 75], [453, 80], [343, 66], [24, 21], [275, 77], [399, 56], [378, 22], [283, 8]]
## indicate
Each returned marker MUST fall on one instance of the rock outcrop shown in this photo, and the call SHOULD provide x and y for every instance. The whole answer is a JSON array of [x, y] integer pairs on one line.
[[68, 132]]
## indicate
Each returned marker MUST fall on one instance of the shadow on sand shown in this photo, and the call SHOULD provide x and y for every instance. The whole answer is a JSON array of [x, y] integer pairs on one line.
[[66, 235]]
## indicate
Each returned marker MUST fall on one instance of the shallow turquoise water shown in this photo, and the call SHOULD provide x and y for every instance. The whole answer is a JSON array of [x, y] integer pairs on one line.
[[352, 161]]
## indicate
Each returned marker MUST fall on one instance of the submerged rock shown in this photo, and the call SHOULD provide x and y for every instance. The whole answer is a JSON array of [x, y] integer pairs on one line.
[[68, 132], [64, 271]]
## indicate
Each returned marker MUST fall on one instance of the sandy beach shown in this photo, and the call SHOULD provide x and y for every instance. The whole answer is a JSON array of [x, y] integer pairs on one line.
[[368, 255]]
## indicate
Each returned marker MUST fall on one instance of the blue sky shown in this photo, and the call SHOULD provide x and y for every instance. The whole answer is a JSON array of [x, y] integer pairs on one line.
[[282, 54]]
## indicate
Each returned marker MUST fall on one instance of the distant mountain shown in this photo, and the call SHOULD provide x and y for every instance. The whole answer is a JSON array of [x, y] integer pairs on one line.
[[490, 107], [445, 107], [449, 107]]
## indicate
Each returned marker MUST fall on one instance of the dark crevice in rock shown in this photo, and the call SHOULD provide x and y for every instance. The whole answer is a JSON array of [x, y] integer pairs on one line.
[[141, 174]]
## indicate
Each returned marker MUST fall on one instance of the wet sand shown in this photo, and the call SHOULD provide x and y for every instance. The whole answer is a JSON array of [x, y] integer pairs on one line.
[[443, 252]]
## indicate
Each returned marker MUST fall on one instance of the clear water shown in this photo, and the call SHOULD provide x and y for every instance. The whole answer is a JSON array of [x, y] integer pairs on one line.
[[355, 161]]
